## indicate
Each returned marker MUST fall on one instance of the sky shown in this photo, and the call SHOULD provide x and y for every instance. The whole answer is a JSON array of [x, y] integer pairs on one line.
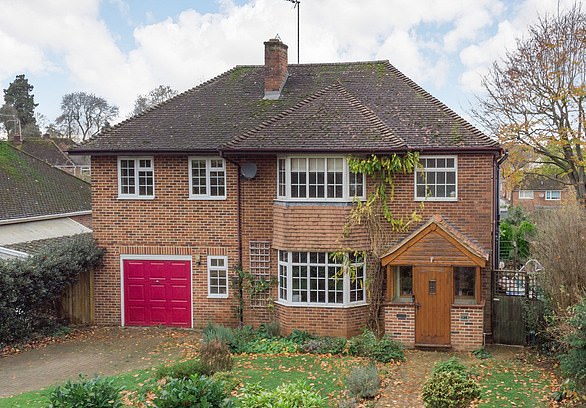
[[118, 49]]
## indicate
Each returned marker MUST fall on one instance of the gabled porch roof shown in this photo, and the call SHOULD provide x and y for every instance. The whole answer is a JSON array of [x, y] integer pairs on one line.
[[437, 226]]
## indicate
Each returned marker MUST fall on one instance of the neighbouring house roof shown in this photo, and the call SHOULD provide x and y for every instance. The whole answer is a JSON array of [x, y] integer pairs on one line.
[[44, 229], [437, 223], [36, 246], [538, 182], [31, 188], [46, 150], [341, 107]]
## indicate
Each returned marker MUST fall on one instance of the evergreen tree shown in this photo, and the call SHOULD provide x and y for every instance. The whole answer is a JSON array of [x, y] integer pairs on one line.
[[18, 111]]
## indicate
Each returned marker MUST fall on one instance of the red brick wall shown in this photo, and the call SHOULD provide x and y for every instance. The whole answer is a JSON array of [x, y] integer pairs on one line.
[[400, 322], [466, 327], [173, 223], [539, 201], [338, 322], [85, 220]]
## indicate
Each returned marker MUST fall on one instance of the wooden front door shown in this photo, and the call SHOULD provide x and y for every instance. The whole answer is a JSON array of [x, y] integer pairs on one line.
[[433, 298]]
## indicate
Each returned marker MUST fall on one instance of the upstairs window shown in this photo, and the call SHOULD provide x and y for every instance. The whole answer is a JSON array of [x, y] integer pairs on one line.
[[525, 194], [318, 179], [207, 178], [436, 179], [136, 177], [553, 195]]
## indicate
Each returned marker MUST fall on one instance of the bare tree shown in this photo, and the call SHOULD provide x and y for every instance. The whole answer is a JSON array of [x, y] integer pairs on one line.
[[536, 94], [84, 115], [158, 95]]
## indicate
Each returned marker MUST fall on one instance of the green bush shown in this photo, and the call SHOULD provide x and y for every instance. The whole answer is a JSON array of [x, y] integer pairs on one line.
[[270, 330], [30, 288], [325, 345], [293, 395], [228, 379], [216, 332], [241, 338], [382, 350], [271, 346], [450, 386], [573, 361], [95, 392], [363, 382], [300, 337], [183, 369], [215, 356], [195, 391]]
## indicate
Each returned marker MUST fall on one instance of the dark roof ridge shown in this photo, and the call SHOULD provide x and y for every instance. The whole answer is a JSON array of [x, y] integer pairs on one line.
[[354, 102], [190, 90], [439, 103]]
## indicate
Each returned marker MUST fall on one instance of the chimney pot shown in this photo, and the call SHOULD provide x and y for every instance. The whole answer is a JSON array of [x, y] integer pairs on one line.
[[276, 72]]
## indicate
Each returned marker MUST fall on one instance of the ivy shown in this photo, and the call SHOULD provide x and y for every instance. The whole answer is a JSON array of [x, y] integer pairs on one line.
[[243, 282]]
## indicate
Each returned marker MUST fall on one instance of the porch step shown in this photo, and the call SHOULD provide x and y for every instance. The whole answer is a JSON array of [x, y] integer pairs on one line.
[[433, 346]]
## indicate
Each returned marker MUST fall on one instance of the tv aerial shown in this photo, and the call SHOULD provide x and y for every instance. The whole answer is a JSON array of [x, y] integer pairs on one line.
[[296, 4]]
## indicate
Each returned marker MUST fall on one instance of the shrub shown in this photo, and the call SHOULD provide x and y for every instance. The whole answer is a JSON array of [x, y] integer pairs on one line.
[[241, 338], [182, 369], [382, 350], [216, 332], [300, 337], [325, 345], [363, 382], [271, 346], [96, 392], [228, 379], [573, 361], [450, 386], [269, 330], [195, 391], [215, 356], [482, 353], [297, 394], [30, 288]]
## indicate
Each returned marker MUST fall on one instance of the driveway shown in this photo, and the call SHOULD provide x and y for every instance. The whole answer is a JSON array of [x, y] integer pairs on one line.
[[103, 350]]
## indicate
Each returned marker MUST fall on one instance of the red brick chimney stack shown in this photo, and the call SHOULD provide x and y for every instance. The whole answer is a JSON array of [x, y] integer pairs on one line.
[[275, 67]]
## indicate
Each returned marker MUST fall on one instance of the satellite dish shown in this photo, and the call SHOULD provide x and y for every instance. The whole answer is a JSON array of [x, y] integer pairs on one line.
[[248, 170]]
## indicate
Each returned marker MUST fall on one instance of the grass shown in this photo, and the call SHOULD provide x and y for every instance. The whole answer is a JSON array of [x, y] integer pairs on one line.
[[515, 382]]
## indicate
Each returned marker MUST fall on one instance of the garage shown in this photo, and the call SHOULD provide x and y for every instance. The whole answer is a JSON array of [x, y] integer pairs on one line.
[[157, 292]]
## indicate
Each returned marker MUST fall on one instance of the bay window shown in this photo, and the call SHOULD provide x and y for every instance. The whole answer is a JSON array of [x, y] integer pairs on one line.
[[318, 179], [316, 278]]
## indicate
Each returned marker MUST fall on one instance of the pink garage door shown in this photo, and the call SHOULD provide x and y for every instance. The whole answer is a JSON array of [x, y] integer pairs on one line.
[[157, 293]]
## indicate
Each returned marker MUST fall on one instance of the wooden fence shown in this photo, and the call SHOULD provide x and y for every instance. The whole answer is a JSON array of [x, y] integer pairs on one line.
[[77, 303]]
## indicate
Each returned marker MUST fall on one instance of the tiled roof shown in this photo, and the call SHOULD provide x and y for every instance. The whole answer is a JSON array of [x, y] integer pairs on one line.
[[538, 182], [33, 247], [46, 150], [30, 187], [344, 106]]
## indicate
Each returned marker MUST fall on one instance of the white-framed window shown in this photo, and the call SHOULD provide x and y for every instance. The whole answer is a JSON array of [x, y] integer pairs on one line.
[[525, 194], [315, 278], [207, 178], [136, 177], [553, 195], [218, 276], [318, 179], [436, 178]]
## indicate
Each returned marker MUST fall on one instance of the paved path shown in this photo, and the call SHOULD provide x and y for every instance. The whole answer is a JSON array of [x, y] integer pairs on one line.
[[105, 351]]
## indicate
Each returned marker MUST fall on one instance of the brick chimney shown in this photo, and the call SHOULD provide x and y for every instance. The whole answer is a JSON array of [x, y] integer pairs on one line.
[[275, 68]]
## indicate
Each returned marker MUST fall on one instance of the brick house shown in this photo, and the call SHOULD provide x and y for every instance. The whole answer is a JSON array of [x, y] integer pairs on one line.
[[251, 168], [537, 192]]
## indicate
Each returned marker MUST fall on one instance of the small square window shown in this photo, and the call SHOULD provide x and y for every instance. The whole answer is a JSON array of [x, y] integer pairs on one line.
[[553, 195], [435, 179], [207, 178], [136, 178]]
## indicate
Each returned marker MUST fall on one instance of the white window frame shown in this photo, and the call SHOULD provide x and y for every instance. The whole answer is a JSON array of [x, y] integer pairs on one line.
[[220, 269], [136, 195], [345, 180], [548, 195], [526, 194], [287, 265], [207, 195], [420, 169]]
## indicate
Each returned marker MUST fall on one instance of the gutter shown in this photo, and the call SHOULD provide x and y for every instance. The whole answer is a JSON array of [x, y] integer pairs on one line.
[[238, 209], [13, 253], [44, 217]]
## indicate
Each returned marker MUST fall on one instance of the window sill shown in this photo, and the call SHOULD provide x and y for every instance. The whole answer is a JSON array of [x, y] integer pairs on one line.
[[432, 199], [217, 296], [307, 202], [136, 197], [321, 306], [468, 305], [207, 198]]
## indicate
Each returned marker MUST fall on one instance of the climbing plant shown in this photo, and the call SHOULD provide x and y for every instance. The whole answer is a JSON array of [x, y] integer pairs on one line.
[[378, 217], [246, 283]]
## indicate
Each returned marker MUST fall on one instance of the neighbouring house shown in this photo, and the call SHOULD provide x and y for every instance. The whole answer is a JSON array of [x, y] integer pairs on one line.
[[40, 205], [54, 152], [250, 168], [536, 192]]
